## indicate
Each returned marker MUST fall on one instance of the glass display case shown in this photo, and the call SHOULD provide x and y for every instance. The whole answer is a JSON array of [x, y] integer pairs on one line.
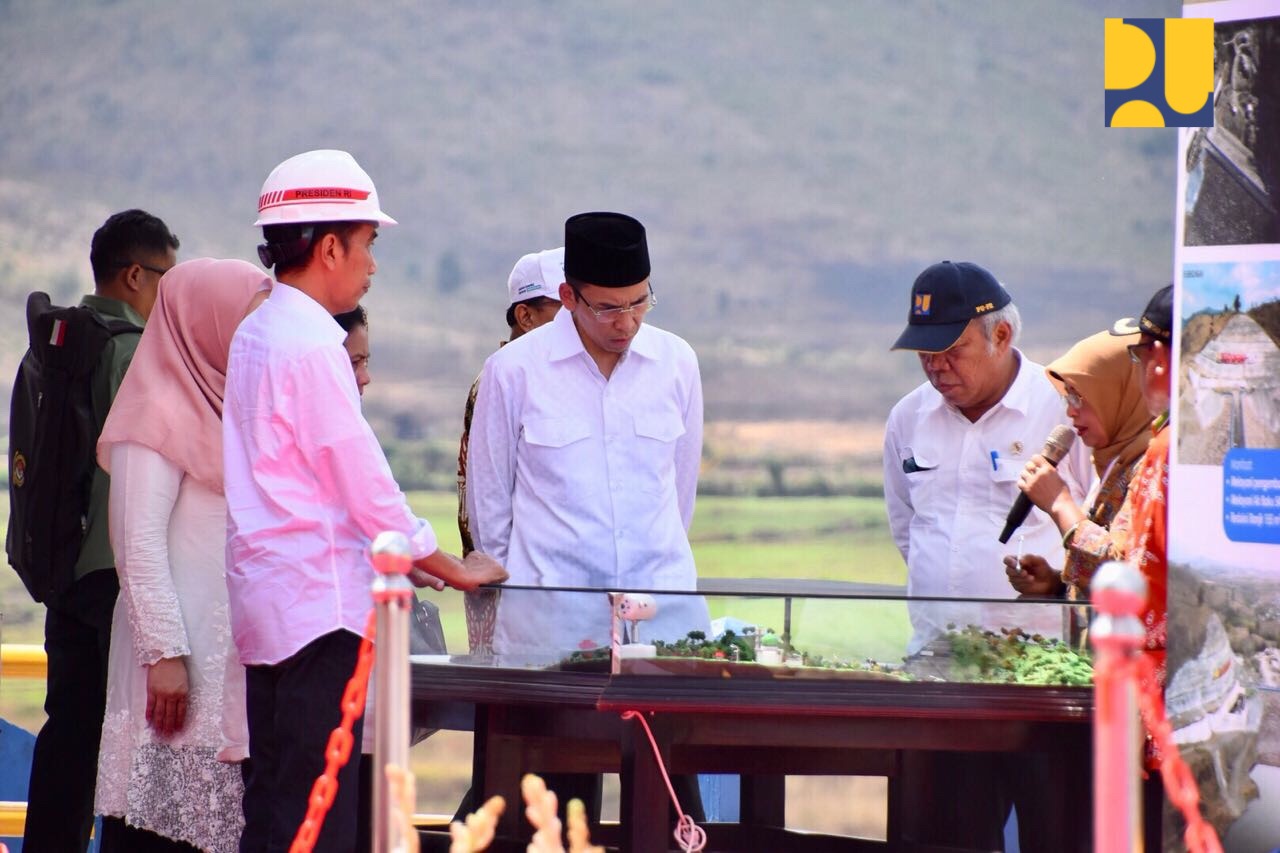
[[780, 630], [759, 678]]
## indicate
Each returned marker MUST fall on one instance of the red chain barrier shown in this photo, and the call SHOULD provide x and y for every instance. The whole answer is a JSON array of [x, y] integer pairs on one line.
[[338, 750], [1179, 784]]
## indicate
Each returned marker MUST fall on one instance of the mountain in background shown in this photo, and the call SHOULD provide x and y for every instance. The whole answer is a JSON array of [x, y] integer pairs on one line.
[[796, 164]]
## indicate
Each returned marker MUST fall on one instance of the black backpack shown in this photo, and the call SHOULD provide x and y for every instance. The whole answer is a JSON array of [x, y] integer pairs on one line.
[[53, 437]]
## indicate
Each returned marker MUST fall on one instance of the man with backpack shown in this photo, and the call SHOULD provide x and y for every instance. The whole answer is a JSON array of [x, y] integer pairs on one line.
[[57, 537]]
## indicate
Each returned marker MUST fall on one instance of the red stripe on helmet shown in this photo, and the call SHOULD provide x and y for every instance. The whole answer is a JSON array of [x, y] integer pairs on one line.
[[311, 195], [324, 194]]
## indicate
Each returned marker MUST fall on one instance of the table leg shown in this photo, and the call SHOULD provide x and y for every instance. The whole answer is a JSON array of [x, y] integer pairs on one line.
[[763, 801], [496, 763], [645, 801]]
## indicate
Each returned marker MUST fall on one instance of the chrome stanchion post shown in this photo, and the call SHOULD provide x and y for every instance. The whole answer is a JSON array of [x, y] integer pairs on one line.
[[392, 598], [1118, 592]]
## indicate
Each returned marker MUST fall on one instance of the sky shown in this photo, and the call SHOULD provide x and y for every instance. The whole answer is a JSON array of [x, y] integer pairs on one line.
[[1212, 285]]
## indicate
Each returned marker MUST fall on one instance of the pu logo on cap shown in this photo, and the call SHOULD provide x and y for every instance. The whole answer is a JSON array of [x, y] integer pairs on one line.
[[920, 307], [1158, 72]]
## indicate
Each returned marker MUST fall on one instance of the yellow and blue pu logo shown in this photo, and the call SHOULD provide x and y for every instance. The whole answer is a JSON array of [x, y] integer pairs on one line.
[[920, 307], [1158, 72]]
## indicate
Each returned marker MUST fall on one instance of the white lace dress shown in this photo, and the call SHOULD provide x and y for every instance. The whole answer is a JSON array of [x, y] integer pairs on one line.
[[169, 547]]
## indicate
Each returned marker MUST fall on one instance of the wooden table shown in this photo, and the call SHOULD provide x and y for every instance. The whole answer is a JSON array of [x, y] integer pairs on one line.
[[547, 721]]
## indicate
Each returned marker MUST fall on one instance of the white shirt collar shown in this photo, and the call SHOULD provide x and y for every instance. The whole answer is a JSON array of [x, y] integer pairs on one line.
[[293, 301]]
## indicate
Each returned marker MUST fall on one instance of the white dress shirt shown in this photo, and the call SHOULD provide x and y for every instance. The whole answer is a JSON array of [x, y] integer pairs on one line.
[[578, 480], [946, 517], [308, 487]]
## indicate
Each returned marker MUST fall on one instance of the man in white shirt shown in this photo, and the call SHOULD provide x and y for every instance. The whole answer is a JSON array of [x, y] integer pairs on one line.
[[584, 453], [308, 488], [953, 450], [954, 447], [583, 462]]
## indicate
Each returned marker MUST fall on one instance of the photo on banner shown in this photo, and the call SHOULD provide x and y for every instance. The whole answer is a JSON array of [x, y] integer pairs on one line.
[[1222, 693]]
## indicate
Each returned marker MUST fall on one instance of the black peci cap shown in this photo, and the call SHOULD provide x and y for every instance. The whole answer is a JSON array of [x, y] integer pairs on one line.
[[944, 298], [605, 249]]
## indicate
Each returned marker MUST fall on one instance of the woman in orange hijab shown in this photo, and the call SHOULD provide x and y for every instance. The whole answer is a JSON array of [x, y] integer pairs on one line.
[[1103, 392]]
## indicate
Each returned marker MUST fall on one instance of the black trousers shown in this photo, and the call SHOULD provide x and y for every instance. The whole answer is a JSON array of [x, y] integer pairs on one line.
[[292, 707], [968, 795], [64, 766]]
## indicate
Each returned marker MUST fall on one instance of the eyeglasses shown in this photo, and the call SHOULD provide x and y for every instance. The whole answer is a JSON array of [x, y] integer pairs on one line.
[[608, 315], [1074, 400], [1134, 349], [155, 270]]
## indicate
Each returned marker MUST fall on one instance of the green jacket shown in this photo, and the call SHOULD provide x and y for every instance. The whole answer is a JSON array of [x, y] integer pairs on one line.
[[95, 553]]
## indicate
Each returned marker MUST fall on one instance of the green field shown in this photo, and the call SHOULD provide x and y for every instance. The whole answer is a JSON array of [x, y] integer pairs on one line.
[[840, 538], [745, 537], [733, 537]]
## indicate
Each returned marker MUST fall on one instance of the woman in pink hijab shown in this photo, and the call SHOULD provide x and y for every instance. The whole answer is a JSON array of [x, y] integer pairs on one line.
[[175, 691]]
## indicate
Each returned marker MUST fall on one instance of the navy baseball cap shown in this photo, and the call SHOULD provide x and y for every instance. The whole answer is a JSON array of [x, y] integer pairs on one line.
[[1156, 320], [944, 298]]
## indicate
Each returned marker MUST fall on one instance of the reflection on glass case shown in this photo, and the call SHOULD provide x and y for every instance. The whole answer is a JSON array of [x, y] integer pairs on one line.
[[784, 630]]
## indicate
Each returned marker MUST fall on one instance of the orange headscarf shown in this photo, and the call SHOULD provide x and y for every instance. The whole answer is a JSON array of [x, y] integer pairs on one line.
[[1100, 369], [171, 396]]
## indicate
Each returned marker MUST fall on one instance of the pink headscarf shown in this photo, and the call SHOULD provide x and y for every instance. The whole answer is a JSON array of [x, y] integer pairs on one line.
[[171, 396]]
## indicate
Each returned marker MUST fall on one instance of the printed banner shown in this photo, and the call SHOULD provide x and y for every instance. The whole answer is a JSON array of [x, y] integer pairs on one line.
[[1223, 689]]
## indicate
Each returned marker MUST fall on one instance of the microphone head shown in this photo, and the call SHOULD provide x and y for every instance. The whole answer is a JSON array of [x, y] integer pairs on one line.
[[1058, 443]]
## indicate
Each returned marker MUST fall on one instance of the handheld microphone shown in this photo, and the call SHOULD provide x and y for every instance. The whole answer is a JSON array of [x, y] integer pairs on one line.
[[1055, 447]]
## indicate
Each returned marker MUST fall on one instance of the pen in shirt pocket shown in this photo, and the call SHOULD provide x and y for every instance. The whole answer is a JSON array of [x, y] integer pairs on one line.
[[995, 456]]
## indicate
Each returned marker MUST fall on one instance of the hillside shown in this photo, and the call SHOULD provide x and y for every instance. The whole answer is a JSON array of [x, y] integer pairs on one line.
[[1203, 326], [796, 164]]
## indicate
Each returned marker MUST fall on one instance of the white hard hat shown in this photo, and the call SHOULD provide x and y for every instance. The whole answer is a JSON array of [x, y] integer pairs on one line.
[[319, 186], [537, 274]]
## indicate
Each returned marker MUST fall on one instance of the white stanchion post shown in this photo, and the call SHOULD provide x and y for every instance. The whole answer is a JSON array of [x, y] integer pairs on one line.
[[392, 599], [1118, 593]]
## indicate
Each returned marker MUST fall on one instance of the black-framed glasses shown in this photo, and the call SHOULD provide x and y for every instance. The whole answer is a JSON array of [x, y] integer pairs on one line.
[[607, 315], [146, 267]]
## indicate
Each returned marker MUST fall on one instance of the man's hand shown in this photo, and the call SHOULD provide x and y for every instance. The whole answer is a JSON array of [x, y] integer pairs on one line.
[[167, 689], [440, 568], [1034, 577], [421, 577], [482, 569]]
